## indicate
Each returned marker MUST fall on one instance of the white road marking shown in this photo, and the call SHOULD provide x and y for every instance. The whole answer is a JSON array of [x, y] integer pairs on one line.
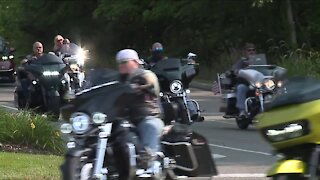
[[9, 107], [240, 175], [218, 156], [238, 149]]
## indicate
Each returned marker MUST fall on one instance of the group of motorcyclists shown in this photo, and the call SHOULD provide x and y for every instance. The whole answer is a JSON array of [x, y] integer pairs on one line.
[[144, 108]]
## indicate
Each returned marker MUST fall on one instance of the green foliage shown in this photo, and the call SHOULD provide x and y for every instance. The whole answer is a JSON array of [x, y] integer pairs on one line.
[[32, 130], [209, 28]]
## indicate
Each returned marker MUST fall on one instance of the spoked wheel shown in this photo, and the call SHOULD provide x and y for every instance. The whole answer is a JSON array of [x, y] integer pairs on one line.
[[243, 123], [289, 177]]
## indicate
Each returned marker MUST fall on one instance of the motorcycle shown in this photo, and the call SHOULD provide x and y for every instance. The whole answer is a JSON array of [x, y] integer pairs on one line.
[[46, 84], [291, 126], [174, 77], [264, 82], [74, 56], [103, 146], [7, 64]]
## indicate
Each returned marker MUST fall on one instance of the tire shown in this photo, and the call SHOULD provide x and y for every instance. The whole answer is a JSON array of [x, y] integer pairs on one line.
[[289, 177], [183, 112], [53, 105], [73, 169], [243, 123]]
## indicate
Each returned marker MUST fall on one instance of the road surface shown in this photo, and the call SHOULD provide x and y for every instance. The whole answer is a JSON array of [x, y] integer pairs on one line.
[[239, 154]]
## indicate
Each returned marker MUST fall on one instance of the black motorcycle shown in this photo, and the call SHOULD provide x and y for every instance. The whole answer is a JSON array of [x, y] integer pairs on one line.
[[7, 64], [103, 146], [45, 82], [174, 77]]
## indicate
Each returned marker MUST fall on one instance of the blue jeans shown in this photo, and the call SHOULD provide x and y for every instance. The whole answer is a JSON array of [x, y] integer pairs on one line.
[[150, 130], [241, 96]]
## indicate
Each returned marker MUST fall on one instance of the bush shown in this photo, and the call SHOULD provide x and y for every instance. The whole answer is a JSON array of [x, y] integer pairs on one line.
[[302, 61], [32, 130]]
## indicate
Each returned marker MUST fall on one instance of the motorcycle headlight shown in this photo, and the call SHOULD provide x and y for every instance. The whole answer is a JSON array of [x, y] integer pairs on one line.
[[286, 132], [269, 84], [176, 87], [66, 128], [80, 122], [99, 118], [279, 83], [81, 56], [74, 67], [4, 57], [11, 57], [50, 73], [258, 84]]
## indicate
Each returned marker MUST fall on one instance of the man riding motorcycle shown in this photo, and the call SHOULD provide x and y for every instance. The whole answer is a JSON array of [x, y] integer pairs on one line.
[[25, 81], [156, 54], [58, 43], [242, 86], [143, 110]]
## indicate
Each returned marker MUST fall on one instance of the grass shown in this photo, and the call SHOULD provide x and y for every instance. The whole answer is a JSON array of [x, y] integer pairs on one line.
[[32, 130], [29, 166]]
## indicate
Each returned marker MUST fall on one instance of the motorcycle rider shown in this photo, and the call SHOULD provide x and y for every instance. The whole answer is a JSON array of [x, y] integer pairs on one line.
[[242, 86], [37, 52], [156, 54], [24, 79], [143, 110], [58, 43]]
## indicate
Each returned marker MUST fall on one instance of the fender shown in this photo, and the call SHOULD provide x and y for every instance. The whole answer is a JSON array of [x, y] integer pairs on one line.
[[77, 152], [52, 92], [290, 166]]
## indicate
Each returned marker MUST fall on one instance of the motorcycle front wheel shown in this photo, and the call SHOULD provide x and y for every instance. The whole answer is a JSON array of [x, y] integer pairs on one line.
[[243, 123], [53, 105], [74, 169]]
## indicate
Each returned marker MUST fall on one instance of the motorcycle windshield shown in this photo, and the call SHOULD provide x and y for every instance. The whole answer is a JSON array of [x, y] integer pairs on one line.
[[48, 59], [168, 68], [298, 90], [101, 96], [2, 46], [95, 77]]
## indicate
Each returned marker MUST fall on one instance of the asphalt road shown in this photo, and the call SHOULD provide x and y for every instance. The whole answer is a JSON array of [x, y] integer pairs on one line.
[[238, 154]]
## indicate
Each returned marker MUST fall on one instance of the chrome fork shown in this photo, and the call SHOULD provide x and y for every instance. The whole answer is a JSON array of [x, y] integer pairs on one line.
[[99, 172]]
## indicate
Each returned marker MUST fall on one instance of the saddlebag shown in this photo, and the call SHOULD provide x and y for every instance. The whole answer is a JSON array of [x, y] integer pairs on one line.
[[190, 151]]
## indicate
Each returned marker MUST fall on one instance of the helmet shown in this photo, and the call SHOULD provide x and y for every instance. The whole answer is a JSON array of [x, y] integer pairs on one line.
[[157, 47]]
